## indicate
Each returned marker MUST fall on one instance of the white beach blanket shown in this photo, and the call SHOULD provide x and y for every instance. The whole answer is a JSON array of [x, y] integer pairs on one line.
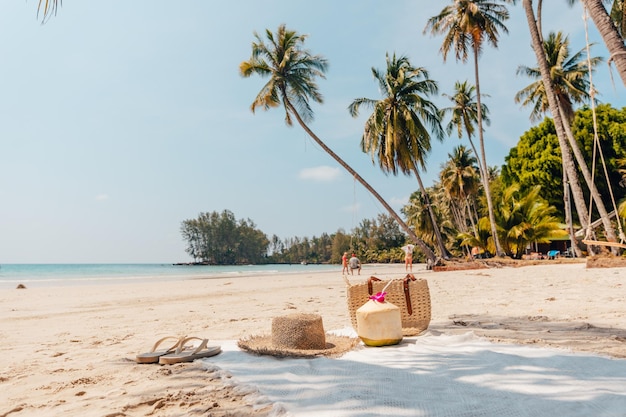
[[435, 376]]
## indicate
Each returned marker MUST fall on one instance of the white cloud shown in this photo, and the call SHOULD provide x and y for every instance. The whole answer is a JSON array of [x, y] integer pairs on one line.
[[102, 197], [322, 173]]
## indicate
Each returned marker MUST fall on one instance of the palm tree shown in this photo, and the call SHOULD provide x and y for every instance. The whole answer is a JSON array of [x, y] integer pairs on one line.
[[552, 78], [570, 79], [606, 24], [418, 216], [482, 238], [464, 113], [292, 71], [466, 26], [460, 182], [525, 219], [464, 116], [397, 132], [48, 8]]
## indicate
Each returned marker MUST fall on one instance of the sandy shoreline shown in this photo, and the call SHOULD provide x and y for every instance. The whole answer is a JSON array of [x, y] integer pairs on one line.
[[71, 350]]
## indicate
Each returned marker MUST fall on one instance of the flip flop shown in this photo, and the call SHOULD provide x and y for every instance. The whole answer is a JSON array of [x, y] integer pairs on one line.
[[188, 354], [154, 355]]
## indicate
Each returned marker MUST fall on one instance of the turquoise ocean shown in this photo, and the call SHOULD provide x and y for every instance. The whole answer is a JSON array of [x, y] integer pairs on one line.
[[54, 275]]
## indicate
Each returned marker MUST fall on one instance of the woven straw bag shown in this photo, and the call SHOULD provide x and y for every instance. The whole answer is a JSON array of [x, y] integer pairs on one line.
[[410, 294]]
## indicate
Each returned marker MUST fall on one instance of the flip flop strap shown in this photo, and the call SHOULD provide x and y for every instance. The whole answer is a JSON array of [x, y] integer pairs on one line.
[[163, 339], [181, 347]]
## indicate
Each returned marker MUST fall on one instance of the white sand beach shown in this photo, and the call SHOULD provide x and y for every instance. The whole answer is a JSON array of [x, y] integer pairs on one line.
[[71, 350]]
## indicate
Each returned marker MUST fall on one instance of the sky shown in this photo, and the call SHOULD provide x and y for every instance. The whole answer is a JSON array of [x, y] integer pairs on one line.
[[119, 120]]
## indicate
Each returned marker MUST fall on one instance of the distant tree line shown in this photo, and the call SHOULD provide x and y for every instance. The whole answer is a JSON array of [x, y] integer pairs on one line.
[[220, 239]]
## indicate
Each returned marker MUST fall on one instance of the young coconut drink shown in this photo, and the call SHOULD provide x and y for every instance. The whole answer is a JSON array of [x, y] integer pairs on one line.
[[379, 323]]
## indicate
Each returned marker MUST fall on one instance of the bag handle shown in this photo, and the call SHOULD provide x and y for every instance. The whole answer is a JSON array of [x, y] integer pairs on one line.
[[407, 292], [370, 286]]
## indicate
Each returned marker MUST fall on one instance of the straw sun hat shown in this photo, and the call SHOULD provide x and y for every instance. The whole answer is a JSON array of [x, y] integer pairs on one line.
[[300, 336]]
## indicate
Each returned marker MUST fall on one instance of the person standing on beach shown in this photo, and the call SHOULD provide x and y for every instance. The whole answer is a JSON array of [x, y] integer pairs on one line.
[[344, 263], [408, 257], [354, 263]]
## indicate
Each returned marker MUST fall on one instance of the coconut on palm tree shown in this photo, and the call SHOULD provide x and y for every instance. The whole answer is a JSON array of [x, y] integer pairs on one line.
[[397, 133], [467, 25], [292, 71]]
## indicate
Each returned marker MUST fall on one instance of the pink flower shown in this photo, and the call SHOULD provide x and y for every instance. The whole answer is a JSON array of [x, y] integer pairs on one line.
[[379, 297]]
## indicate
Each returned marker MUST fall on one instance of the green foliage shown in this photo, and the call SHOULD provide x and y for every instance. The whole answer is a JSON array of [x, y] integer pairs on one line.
[[612, 137], [467, 25], [310, 250], [482, 239], [536, 160], [418, 217], [569, 75], [292, 71], [374, 241], [523, 219], [397, 133], [460, 183], [219, 239], [464, 110], [378, 240]]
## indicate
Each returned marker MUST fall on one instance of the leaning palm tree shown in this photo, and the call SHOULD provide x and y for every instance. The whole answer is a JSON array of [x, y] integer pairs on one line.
[[397, 132], [292, 71], [466, 26], [563, 130]]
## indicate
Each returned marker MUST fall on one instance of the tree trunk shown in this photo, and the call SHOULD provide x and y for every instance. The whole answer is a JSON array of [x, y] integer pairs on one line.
[[471, 217], [419, 242], [568, 217], [604, 215], [480, 171], [568, 163], [612, 39], [485, 171], [433, 220], [570, 168]]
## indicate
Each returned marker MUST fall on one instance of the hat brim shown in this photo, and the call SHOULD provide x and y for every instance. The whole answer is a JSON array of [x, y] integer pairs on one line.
[[262, 345]]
